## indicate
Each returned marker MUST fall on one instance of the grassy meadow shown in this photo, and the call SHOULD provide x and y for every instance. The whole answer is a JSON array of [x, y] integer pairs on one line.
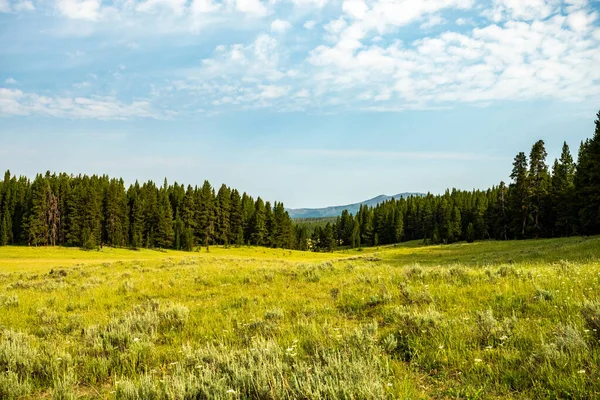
[[484, 320]]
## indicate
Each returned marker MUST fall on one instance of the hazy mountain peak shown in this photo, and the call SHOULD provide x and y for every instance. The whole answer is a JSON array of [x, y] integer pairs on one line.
[[334, 211]]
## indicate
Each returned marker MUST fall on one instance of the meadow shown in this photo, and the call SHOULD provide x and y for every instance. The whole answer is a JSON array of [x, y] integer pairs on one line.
[[498, 320]]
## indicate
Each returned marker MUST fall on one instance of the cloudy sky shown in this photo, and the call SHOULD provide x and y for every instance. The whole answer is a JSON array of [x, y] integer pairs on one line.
[[311, 102]]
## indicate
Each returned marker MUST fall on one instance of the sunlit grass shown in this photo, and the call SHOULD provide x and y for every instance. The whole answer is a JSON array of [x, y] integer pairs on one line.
[[482, 320]]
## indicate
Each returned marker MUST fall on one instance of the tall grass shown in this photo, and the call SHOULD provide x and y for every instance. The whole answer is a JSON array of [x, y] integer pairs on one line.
[[397, 322]]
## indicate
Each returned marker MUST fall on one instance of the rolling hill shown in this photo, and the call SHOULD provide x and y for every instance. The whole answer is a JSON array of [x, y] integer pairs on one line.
[[334, 211]]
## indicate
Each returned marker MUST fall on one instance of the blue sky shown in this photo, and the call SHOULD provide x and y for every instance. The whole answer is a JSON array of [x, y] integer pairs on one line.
[[310, 102]]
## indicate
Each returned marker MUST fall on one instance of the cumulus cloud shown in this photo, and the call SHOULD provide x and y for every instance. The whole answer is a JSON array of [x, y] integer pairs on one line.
[[252, 7], [376, 55], [310, 24], [280, 26], [79, 9], [10, 81], [14, 102]]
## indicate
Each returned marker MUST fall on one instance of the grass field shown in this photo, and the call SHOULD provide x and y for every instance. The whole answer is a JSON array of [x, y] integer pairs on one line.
[[484, 320]]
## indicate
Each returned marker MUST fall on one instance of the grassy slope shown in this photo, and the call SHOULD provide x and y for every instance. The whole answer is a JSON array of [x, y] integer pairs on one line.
[[487, 320]]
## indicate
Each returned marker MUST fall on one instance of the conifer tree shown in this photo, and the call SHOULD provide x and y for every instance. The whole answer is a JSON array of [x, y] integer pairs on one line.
[[37, 223], [223, 211], [587, 183], [259, 224], [206, 214], [136, 218], [519, 194], [164, 224], [562, 192], [538, 185]]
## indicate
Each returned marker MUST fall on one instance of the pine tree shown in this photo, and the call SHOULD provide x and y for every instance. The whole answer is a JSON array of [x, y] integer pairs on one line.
[[470, 234], [164, 225], [455, 230], [587, 182], [519, 193], [258, 224], [562, 192], [501, 213], [37, 223], [187, 220], [115, 214], [223, 211], [236, 232], [538, 185], [206, 214]]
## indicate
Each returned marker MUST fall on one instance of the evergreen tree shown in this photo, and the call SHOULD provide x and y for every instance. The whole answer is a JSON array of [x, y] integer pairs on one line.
[[223, 211], [259, 224], [115, 211], [587, 183], [562, 192], [136, 218], [519, 195], [538, 185], [164, 234], [236, 232], [37, 224], [206, 214]]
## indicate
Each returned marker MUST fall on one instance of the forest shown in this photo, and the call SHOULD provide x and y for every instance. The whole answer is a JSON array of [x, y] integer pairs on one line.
[[94, 211]]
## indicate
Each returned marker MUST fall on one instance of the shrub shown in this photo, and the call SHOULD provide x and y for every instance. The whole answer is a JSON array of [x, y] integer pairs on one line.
[[490, 331], [9, 301], [591, 314]]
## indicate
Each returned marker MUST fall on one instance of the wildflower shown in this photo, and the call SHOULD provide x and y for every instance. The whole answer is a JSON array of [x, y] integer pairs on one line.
[[581, 371], [441, 346], [137, 339], [478, 360], [389, 384]]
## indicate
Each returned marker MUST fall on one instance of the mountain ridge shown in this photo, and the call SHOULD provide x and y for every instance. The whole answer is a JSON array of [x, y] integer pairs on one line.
[[334, 211]]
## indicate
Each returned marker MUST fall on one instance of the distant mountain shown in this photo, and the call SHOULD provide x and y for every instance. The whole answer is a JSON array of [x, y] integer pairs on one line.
[[334, 211]]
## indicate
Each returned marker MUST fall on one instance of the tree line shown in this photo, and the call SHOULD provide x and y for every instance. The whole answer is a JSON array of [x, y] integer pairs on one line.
[[91, 211], [539, 202]]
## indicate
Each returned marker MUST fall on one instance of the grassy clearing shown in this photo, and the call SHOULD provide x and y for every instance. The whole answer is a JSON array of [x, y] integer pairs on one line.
[[482, 320]]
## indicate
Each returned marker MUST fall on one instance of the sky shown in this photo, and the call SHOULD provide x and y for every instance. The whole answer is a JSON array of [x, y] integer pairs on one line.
[[309, 102]]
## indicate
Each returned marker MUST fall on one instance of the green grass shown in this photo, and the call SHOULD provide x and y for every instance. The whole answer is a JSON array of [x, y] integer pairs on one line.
[[482, 320]]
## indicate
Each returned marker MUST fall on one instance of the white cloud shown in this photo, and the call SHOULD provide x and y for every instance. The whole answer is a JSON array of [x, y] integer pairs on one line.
[[280, 26], [370, 54], [14, 102], [522, 10], [204, 6], [255, 61], [10, 81], [581, 20], [384, 16], [5, 6], [252, 7], [153, 6], [463, 21], [24, 5], [272, 91], [79, 9], [433, 20], [302, 93], [517, 61], [310, 3], [310, 24]]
